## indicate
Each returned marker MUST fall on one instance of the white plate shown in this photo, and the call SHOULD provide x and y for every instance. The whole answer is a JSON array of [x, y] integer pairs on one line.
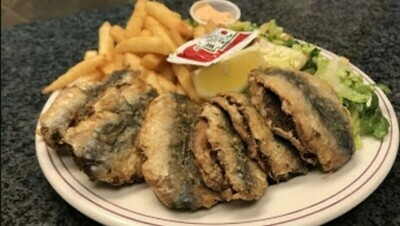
[[312, 199]]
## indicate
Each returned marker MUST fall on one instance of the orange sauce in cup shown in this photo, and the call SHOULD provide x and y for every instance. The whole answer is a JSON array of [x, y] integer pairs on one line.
[[207, 13]]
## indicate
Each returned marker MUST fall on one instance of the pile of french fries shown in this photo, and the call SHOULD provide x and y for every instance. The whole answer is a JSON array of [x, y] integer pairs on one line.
[[152, 32]]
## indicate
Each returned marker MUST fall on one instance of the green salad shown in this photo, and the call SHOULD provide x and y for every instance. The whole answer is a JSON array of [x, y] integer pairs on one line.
[[283, 50]]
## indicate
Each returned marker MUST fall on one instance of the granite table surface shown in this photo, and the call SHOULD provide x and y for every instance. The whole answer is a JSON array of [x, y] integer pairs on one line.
[[33, 55]]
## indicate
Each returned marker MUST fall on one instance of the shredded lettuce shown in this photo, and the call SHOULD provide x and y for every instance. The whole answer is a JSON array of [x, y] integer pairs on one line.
[[282, 56], [347, 84], [191, 22], [275, 34], [242, 26], [367, 118], [358, 97], [312, 53]]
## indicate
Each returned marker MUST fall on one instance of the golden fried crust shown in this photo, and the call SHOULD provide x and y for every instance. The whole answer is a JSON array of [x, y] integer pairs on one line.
[[322, 124], [269, 107], [56, 120], [169, 168], [279, 158], [212, 173], [247, 180], [104, 139]]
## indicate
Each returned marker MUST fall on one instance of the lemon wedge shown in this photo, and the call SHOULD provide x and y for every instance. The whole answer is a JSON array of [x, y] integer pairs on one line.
[[229, 74]]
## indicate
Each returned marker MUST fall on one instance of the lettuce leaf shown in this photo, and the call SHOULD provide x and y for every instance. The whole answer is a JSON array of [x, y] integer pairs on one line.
[[275, 34], [312, 53], [282, 56], [242, 26], [358, 97]]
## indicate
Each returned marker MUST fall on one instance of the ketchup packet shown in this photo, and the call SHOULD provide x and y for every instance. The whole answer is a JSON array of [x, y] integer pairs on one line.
[[211, 48]]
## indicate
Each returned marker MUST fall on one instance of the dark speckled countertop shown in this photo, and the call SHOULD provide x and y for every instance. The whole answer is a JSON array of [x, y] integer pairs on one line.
[[33, 55]]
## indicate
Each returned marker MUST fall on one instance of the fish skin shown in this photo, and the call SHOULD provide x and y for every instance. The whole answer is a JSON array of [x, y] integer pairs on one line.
[[322, 123], [269, 107], [211, 171], [72, 105], [277, 157], [55, 121], [169, 168], [104, 138], [247, 180], [239, 121], [93, 144]]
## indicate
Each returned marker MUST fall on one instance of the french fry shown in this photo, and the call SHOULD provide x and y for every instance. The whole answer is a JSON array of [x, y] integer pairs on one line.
[[96, 75], [151, 79], [166, 84], [89, 54], [180, 90], [82, 68], [117, 33], [144, 45], [190, 67], [119, 60], [110, 56], [184, 78], [132, 61], [175, 14], [136, 21], [110, 68], [167, 72], [152, 61], [179, 40], [106, 42], [199, 31], [146, 33], [152, 32], [166, 17], [158, 31], [165, 8]]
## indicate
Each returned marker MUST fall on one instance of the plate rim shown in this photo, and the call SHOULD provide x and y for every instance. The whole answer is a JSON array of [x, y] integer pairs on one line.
[[109, 217]]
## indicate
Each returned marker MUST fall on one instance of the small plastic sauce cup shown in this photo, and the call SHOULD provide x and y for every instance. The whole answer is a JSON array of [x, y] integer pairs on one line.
[[217, 11]]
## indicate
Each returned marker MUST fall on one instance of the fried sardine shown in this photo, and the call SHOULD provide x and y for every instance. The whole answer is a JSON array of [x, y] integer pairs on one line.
[[104, 137], [306, 111], [97, 122], [169, 168], [222, 157], [55, 121], [278, 158]]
